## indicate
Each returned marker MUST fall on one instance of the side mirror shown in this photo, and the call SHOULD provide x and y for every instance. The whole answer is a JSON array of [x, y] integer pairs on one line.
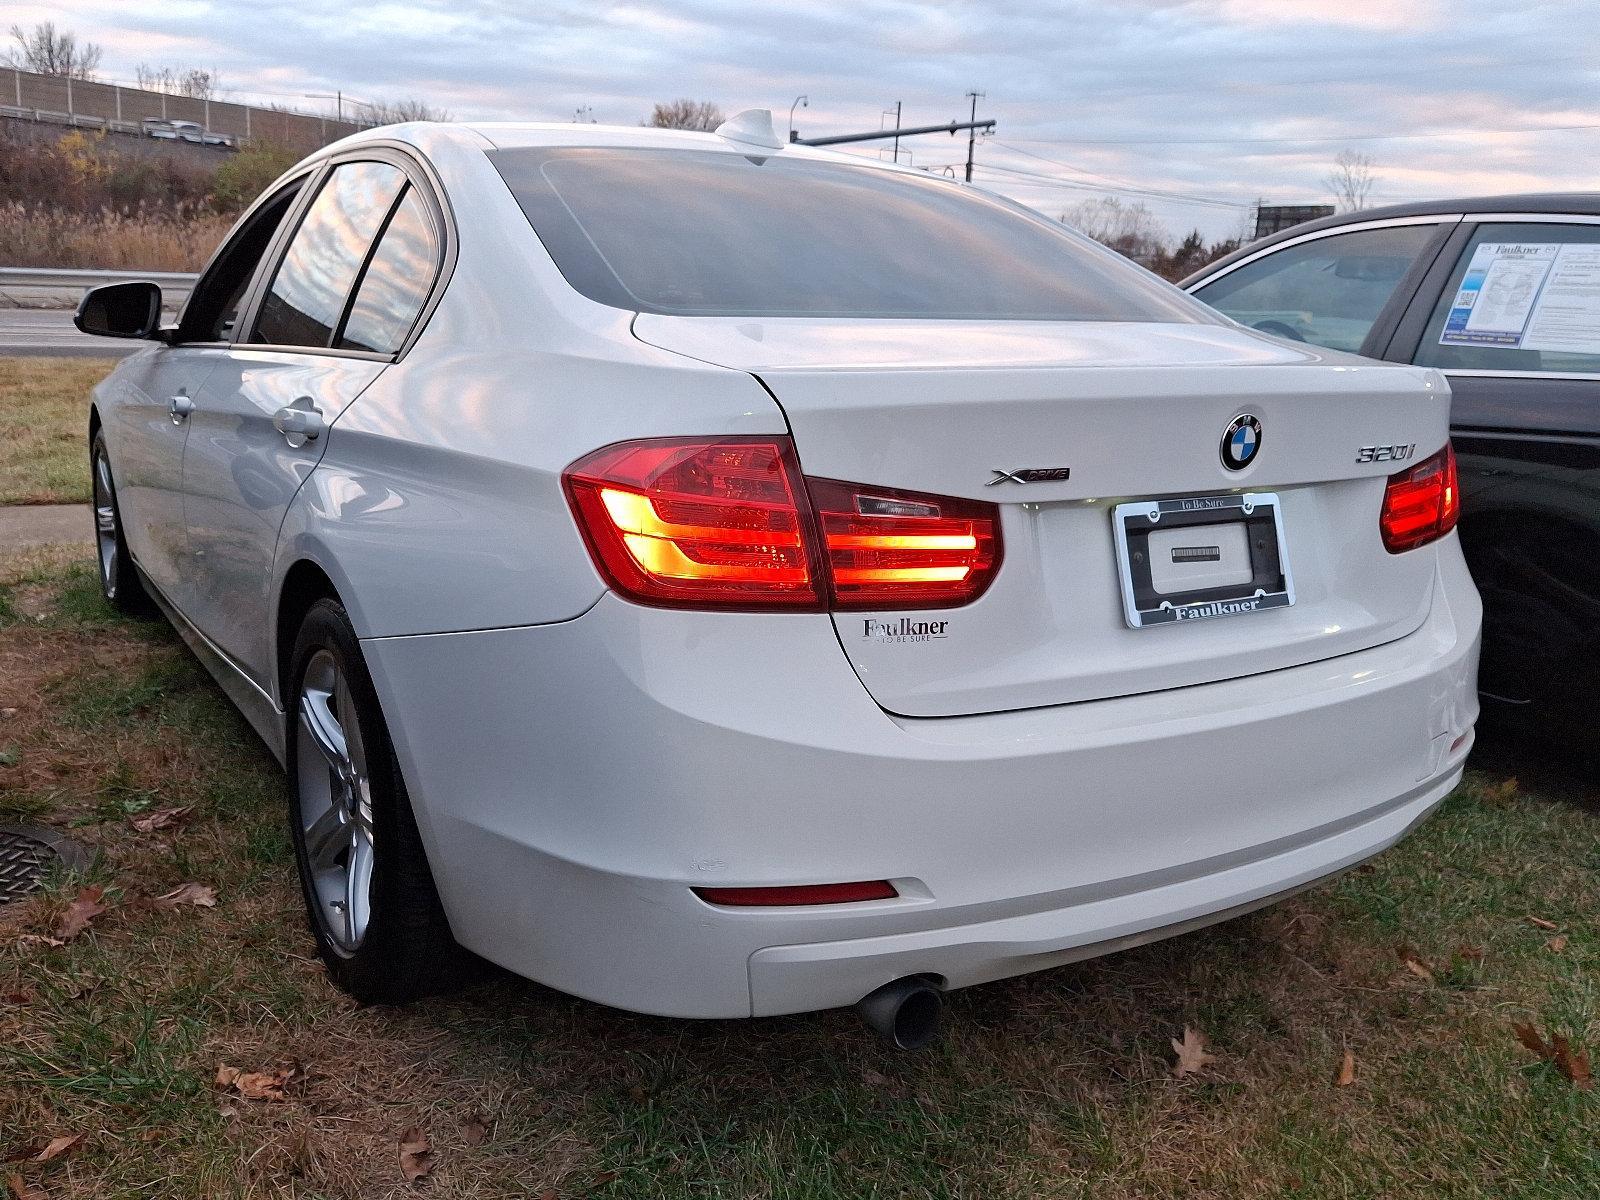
[[120, 310]]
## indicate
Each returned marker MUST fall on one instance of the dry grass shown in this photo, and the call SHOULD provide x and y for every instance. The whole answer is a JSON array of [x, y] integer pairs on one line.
[[1054, 1085], [108, 239], [44, 422]]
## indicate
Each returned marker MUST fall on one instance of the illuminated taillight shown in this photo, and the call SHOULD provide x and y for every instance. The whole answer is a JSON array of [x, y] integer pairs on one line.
[[730, 523], [698, 523], [807, 893], [1421, 504], [892, 549]]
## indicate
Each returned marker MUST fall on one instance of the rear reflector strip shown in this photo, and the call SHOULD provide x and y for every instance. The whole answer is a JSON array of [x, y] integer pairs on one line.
[[809, 893]]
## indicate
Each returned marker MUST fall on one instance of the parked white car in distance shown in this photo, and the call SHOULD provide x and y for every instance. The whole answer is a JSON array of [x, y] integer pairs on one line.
[[720, 578]]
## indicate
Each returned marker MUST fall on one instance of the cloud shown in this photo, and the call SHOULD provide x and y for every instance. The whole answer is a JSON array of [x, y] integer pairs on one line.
[[1217, 101]]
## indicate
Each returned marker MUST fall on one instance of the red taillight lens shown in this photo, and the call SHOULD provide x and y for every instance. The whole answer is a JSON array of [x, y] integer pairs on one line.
[[890, 549], [809, 893], [697, 523], [1422, 504], [730, 523]]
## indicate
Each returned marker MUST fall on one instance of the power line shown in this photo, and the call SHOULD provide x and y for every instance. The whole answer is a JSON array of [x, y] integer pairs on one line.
[[1019, 178], [1343, 137]]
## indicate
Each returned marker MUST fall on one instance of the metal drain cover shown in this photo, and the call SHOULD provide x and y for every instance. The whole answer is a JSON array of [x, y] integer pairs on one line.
[[27, 852]]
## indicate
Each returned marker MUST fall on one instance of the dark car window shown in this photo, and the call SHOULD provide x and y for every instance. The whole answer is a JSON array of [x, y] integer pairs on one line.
[[213, 306], [1523, 297], [703, 233], [1328, 291], [307, 296], [395, 282]]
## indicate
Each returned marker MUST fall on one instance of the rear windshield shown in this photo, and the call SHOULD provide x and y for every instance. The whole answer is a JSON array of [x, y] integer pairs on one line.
[[704, 233]]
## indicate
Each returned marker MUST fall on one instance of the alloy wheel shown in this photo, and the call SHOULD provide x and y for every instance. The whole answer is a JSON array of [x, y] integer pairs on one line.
[[335, 801], [105, 524]]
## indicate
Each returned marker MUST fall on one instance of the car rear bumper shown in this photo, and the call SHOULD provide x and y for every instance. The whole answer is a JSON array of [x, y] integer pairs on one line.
[[574, 781]]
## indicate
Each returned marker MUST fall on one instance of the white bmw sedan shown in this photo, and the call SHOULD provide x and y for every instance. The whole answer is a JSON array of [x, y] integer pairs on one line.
[[718, 578]]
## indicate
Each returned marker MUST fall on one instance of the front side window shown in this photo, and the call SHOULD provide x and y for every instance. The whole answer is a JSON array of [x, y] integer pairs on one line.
[[1328, 291], [1523, 298], [213, 306], [706, 233], [308, 293]]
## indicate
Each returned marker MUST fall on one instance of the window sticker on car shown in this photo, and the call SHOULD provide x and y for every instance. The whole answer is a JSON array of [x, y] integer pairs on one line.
[[1528, 296]]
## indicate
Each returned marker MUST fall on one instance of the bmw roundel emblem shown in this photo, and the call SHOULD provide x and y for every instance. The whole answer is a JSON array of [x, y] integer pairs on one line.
[[1240, 441]]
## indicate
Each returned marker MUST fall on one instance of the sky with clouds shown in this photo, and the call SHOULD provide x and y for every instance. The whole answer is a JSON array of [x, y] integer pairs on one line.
[[1197, 107]]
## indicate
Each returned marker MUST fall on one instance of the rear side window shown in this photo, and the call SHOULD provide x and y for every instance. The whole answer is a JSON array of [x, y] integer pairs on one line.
[[703, 233], [395, 282], [1523, 298], [307, 296], [213, 306], [1328, 291]]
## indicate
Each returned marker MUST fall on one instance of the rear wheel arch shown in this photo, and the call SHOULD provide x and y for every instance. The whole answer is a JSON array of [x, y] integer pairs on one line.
[[304, 583]]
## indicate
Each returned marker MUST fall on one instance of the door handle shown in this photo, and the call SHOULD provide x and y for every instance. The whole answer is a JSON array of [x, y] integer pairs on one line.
[[300, 422], [179, 408]]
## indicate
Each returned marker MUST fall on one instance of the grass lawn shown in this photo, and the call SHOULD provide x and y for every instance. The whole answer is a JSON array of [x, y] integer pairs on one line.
[[1056, 1085], [44, 421]]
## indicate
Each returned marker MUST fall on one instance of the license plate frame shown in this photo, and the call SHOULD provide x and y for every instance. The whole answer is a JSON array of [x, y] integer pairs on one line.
[[1271, 585]]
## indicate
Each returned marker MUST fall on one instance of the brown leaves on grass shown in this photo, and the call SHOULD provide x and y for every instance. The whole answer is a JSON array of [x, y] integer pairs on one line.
[[83, 909], [197, 894], [159, 819], [20, 1190], [260, 1085], [1573, 1064], [1503, 792], [475, 1129], [416, 1154], [1418, 968], [1541, 923], [57, 1146], [1347, 1071], [1557, 944], [1191, 1052]]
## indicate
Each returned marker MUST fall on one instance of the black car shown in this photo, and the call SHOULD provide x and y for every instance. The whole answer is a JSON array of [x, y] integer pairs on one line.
[[1502, 294]]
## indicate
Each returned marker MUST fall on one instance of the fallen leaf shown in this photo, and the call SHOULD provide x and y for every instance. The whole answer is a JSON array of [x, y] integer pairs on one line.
[[1347, 1071], [38, 939], [1529, 1037], [84, 909], [1541, 923], [605, 1177], [1191, 1052], [7, 713], [416, 1154], [1505, 790], [161, 818], [1419, 969], [20, 1190], [1557, 943], [197, 894], [25, 996], [475, 1129], [259, 1085], [1470, 952], [57, 1146], [1575, 1066]]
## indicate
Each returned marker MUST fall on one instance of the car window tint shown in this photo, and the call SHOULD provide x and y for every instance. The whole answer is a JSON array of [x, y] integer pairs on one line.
[[1328, 291], [213, 305], [307, 297], [1523, 297], [395, 282], [718, 234]]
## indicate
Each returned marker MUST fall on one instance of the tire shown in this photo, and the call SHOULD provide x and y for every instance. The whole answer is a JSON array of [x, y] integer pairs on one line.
[[119, 578], [352, 826], [1541, 649]]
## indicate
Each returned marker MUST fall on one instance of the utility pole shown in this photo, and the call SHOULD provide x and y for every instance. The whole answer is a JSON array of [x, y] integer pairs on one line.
[[972, 132], [897, 131]]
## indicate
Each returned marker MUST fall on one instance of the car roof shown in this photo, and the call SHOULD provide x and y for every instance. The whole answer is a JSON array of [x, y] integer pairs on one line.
[[1585, 204]]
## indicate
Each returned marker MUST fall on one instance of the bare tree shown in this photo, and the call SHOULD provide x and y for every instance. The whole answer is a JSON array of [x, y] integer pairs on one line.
[[686, 114], [1131, 229], [396, 112], [1351, 180], [181, 81], [49, 51]]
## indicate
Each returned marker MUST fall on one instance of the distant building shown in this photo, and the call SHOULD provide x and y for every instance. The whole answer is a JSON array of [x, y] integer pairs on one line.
[[1274, 218]]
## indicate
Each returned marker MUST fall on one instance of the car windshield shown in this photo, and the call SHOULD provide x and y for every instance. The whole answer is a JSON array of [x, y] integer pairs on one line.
[[708, 233]]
